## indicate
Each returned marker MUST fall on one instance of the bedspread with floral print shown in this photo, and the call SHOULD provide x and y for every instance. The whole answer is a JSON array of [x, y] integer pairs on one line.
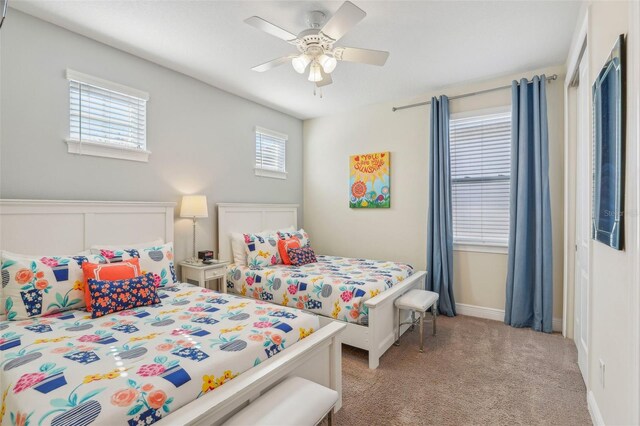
[[335, 287], [137, 366]]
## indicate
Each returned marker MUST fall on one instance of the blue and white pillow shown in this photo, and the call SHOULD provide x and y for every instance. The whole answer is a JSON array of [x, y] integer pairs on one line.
[[108, 297], [301, 256]]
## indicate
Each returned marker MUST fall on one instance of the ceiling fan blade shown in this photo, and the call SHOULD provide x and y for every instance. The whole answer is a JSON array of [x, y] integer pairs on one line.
[[343, 20], [326, 79], [272, 64], [270, 28], [363, 56]]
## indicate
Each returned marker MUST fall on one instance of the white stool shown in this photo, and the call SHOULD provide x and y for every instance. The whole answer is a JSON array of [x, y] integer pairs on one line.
[[295, 401], [420, 301]]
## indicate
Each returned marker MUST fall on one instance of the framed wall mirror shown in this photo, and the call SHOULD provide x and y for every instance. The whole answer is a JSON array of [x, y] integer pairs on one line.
[[608, 139]]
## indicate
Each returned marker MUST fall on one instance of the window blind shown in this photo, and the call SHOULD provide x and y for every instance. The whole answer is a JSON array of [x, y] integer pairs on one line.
[[98, 113], [480, 149], [270, 150]]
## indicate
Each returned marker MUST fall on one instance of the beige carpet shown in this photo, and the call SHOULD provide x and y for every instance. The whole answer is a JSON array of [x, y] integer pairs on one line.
[[474, 371]]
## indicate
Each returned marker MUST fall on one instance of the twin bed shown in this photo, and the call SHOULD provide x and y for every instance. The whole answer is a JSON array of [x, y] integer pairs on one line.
[[335, 287], [139, 365], [197, 358], [357, 293]]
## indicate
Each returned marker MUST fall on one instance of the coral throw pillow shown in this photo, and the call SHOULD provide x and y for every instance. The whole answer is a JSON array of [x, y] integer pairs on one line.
[[284, 245], [108, 297], [301, 256], [108, 272]]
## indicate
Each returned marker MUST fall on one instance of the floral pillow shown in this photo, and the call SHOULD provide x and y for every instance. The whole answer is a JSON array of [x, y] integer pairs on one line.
[[108, 272], [157, 260], [37, 286], [108, 297], [262, 250], [284, 245], [301, 256], [300, 235]]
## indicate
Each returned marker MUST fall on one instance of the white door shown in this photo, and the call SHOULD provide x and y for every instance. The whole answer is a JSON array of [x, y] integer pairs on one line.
[[583, 219]]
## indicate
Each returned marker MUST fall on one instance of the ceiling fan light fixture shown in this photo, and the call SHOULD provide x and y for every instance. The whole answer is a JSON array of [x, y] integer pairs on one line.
[[328, 63], [300, 63], [315, 73]]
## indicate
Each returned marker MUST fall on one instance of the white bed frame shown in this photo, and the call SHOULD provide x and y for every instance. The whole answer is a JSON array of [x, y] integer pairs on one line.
[[67, 227], [381, 332]]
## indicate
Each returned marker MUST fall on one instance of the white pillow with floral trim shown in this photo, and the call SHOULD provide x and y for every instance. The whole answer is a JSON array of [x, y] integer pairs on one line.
[[156, 259], [301, 235], [238, 246], [37, 286], [262, 250]]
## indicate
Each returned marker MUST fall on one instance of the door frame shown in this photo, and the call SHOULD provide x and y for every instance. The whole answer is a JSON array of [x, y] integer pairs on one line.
[[582, 252], [633, 155], [578, 48]]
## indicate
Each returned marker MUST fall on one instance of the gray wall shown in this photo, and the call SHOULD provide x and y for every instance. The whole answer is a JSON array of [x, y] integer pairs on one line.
[[201, 137]]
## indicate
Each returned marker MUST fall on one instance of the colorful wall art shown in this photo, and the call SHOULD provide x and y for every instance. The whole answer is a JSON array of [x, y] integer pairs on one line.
[[369, 186]]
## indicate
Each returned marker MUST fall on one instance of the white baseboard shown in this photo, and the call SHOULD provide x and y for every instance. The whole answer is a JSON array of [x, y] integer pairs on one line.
[[480, 312], [493, 314], [596, 417]]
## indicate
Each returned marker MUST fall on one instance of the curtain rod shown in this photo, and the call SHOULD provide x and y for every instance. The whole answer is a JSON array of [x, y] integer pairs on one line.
[[464, 95]]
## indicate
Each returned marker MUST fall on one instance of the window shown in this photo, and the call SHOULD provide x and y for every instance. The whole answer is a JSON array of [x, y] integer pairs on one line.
[[480, 178], [271, 148], [106, 119]]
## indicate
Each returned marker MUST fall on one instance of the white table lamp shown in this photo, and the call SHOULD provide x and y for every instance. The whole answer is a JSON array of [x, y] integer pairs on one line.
[[194, 207]]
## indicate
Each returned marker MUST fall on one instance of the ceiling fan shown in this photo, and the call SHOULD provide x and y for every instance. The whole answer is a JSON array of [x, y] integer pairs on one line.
[[316, 44]]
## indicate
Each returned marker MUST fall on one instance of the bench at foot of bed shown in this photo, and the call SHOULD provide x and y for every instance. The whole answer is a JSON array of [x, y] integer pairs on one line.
[[381, 332], [295, 401]]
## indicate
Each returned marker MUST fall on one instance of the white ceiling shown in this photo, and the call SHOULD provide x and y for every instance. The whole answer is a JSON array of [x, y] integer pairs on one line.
[[432, 43]]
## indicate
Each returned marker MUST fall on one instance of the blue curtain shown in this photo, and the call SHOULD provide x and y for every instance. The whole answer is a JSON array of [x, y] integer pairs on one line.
[[530, 270], [439, 226]]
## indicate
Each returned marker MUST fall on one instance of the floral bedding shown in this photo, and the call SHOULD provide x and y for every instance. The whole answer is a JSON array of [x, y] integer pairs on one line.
[[135, 367], [335, 287]]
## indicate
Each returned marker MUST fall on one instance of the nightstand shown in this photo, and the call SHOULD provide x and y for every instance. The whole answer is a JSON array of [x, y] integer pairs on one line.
[[200, 273]]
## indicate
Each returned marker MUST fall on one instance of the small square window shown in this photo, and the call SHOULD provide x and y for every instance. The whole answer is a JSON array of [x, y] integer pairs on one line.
[[106, 119], [271, 148]]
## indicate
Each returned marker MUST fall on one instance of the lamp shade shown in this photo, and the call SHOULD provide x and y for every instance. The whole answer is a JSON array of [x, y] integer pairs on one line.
[[194, 206]]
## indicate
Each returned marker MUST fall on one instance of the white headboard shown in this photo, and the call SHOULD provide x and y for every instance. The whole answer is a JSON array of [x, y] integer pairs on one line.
[[67, 227], [251, 218]]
